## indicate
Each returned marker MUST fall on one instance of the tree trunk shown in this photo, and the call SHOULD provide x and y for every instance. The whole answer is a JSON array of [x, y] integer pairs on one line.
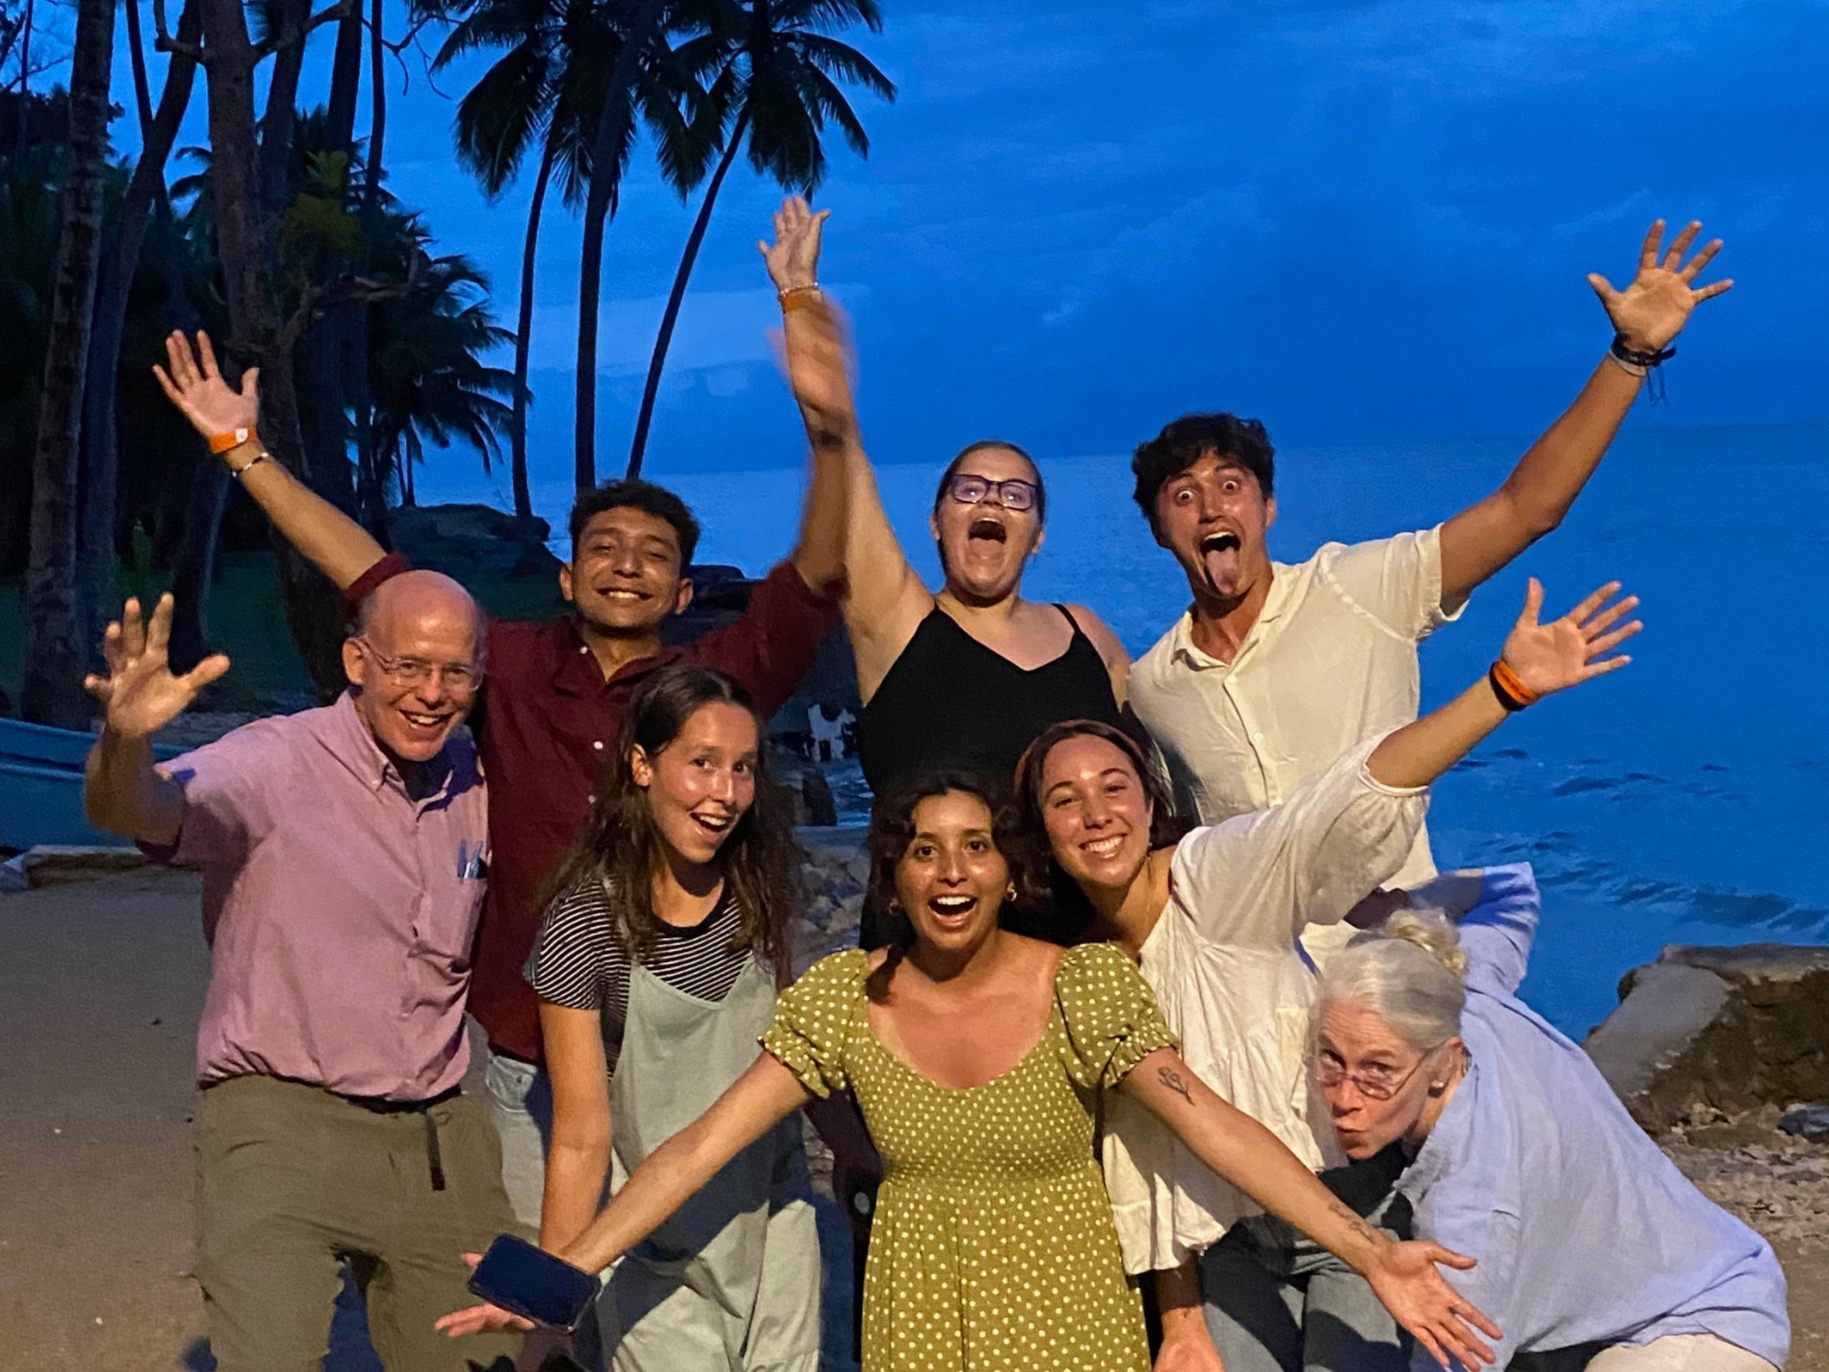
[[324, 351], [372, 495], [312, 611], [523, 334], [609, 152], [25, 78], [194, 563], [281, 114], [96, 556], [345, 80], [53, 664], [672, 314]]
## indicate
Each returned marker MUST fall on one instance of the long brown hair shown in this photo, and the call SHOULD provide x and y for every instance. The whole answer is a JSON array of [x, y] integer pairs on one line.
[[1166, 829], [621, 846]]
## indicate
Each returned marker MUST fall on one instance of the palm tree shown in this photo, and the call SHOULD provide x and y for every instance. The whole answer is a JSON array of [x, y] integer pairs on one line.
[[771, 73], [646, 82], [427, 381], [53, 664], [542, 89]]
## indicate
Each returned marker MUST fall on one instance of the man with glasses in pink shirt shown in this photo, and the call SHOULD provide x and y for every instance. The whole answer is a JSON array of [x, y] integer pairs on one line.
[[344, 851]]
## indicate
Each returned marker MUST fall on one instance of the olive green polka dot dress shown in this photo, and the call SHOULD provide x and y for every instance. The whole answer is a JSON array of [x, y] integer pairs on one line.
[[993, 1248]]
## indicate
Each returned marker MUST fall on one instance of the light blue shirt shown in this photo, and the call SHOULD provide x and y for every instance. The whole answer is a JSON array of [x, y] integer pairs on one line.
[[1584, 1231]]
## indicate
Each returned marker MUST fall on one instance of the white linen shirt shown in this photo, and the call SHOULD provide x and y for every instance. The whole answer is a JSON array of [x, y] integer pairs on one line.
[[1235, 987], [1331, 660]]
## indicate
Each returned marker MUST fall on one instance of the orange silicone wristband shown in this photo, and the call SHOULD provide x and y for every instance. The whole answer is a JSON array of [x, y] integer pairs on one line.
[[221, 443]]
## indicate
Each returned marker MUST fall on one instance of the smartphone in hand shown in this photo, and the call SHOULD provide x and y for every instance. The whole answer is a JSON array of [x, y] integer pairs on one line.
[[534, 1284]]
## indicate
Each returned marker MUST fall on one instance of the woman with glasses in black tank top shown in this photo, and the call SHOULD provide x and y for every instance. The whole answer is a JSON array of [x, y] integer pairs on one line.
[[967, 676], [970, 675]]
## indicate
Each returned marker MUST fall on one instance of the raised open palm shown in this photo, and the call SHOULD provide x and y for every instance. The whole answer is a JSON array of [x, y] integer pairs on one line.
[[141, 694], [1567, 651], [193, 382], [1653, 309], [793, 258]]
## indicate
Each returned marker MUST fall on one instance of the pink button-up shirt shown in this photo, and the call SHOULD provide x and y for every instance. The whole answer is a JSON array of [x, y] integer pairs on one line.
[[340, 911]]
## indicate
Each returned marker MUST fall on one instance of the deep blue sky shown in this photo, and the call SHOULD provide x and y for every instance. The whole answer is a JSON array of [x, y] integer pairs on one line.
[[1355, 220]]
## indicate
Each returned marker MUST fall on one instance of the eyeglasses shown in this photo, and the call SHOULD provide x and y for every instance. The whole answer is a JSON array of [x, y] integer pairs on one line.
[[1013, 494], [460, 678], [1375, 1082]]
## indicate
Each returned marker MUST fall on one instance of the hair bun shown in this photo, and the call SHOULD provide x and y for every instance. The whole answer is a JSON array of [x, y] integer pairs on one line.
[[1432, 932]]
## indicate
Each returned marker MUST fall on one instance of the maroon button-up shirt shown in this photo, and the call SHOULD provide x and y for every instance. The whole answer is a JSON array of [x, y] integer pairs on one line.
[[546, 724]]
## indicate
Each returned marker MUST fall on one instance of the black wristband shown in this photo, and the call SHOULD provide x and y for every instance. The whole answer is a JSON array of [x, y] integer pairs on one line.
[[1637, 358], [1511, 703]]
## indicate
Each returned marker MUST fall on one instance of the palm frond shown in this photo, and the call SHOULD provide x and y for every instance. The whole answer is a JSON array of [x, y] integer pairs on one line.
[[845, 62]]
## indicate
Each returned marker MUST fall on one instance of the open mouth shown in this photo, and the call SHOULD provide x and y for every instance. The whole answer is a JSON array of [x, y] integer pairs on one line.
[[1219, 557], [423, 725], [1103, 847], [989, 529], [622, 595], [952, 910], [713, 826]]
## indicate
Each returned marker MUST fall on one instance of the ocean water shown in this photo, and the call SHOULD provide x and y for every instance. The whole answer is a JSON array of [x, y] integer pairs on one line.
[[1678, 801]]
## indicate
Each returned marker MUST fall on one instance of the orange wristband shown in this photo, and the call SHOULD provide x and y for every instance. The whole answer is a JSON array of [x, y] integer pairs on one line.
[[800, 298], [1508, 684], [221, 443]]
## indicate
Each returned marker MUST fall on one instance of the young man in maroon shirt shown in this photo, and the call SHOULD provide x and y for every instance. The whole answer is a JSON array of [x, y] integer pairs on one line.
[[552, 703]]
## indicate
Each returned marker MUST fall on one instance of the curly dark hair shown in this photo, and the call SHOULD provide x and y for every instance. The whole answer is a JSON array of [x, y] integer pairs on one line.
[[638, 495], [1166, 828], [892, 829], [1185, 441], [621, 847], [985, 445]]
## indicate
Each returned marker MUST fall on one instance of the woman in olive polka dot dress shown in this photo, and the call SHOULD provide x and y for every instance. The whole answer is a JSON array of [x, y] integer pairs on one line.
[[978, 1057]]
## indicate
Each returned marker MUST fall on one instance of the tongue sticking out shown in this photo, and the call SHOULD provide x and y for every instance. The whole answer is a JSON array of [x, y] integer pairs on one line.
[[1219, 557]]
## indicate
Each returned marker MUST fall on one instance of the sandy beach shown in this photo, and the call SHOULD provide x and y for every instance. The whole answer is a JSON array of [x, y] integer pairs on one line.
[[100, 985]]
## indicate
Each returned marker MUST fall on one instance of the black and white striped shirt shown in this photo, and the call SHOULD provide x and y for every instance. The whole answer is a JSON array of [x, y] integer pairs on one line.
[[577, 963]]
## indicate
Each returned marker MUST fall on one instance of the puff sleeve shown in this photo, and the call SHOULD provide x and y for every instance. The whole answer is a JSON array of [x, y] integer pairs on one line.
[[1110, 1014], [814, 1018]]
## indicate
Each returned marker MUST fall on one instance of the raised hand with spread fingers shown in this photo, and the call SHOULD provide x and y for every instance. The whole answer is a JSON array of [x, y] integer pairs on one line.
[[141, 694], [1656, 304], [122, 791]]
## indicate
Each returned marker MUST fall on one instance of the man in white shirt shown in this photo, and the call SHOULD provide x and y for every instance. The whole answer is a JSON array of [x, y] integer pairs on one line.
[[1276, 670]]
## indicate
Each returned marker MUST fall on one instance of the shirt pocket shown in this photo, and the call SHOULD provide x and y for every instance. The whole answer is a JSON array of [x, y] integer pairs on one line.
[[446, 928]]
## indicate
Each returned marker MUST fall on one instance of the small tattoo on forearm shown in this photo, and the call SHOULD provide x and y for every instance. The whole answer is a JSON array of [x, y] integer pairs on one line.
[[1172, 1079], [1355, 1221]]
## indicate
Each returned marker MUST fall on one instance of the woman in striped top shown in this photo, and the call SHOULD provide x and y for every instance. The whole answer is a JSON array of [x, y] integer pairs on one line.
[[656, 969]]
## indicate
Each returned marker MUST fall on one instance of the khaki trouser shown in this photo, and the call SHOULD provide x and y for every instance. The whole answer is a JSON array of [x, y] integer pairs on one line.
[[292, 1181]]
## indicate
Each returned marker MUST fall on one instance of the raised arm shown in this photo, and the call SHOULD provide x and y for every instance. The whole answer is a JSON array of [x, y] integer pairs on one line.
[[885, 600], [578, 1157], [226, 416], [122, 791], [1647, 315], [1238, 1148], [1542, 658], [759, 1099]]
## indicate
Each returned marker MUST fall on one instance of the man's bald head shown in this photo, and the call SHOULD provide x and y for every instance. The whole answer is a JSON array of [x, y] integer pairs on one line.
[[415, 596], [415, 661]]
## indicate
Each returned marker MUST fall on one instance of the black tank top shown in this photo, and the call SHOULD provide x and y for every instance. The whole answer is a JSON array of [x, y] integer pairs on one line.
[[950, 701]]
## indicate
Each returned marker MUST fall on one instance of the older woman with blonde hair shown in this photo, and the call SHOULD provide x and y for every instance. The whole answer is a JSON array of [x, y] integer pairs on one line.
[[1594, 1251]]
